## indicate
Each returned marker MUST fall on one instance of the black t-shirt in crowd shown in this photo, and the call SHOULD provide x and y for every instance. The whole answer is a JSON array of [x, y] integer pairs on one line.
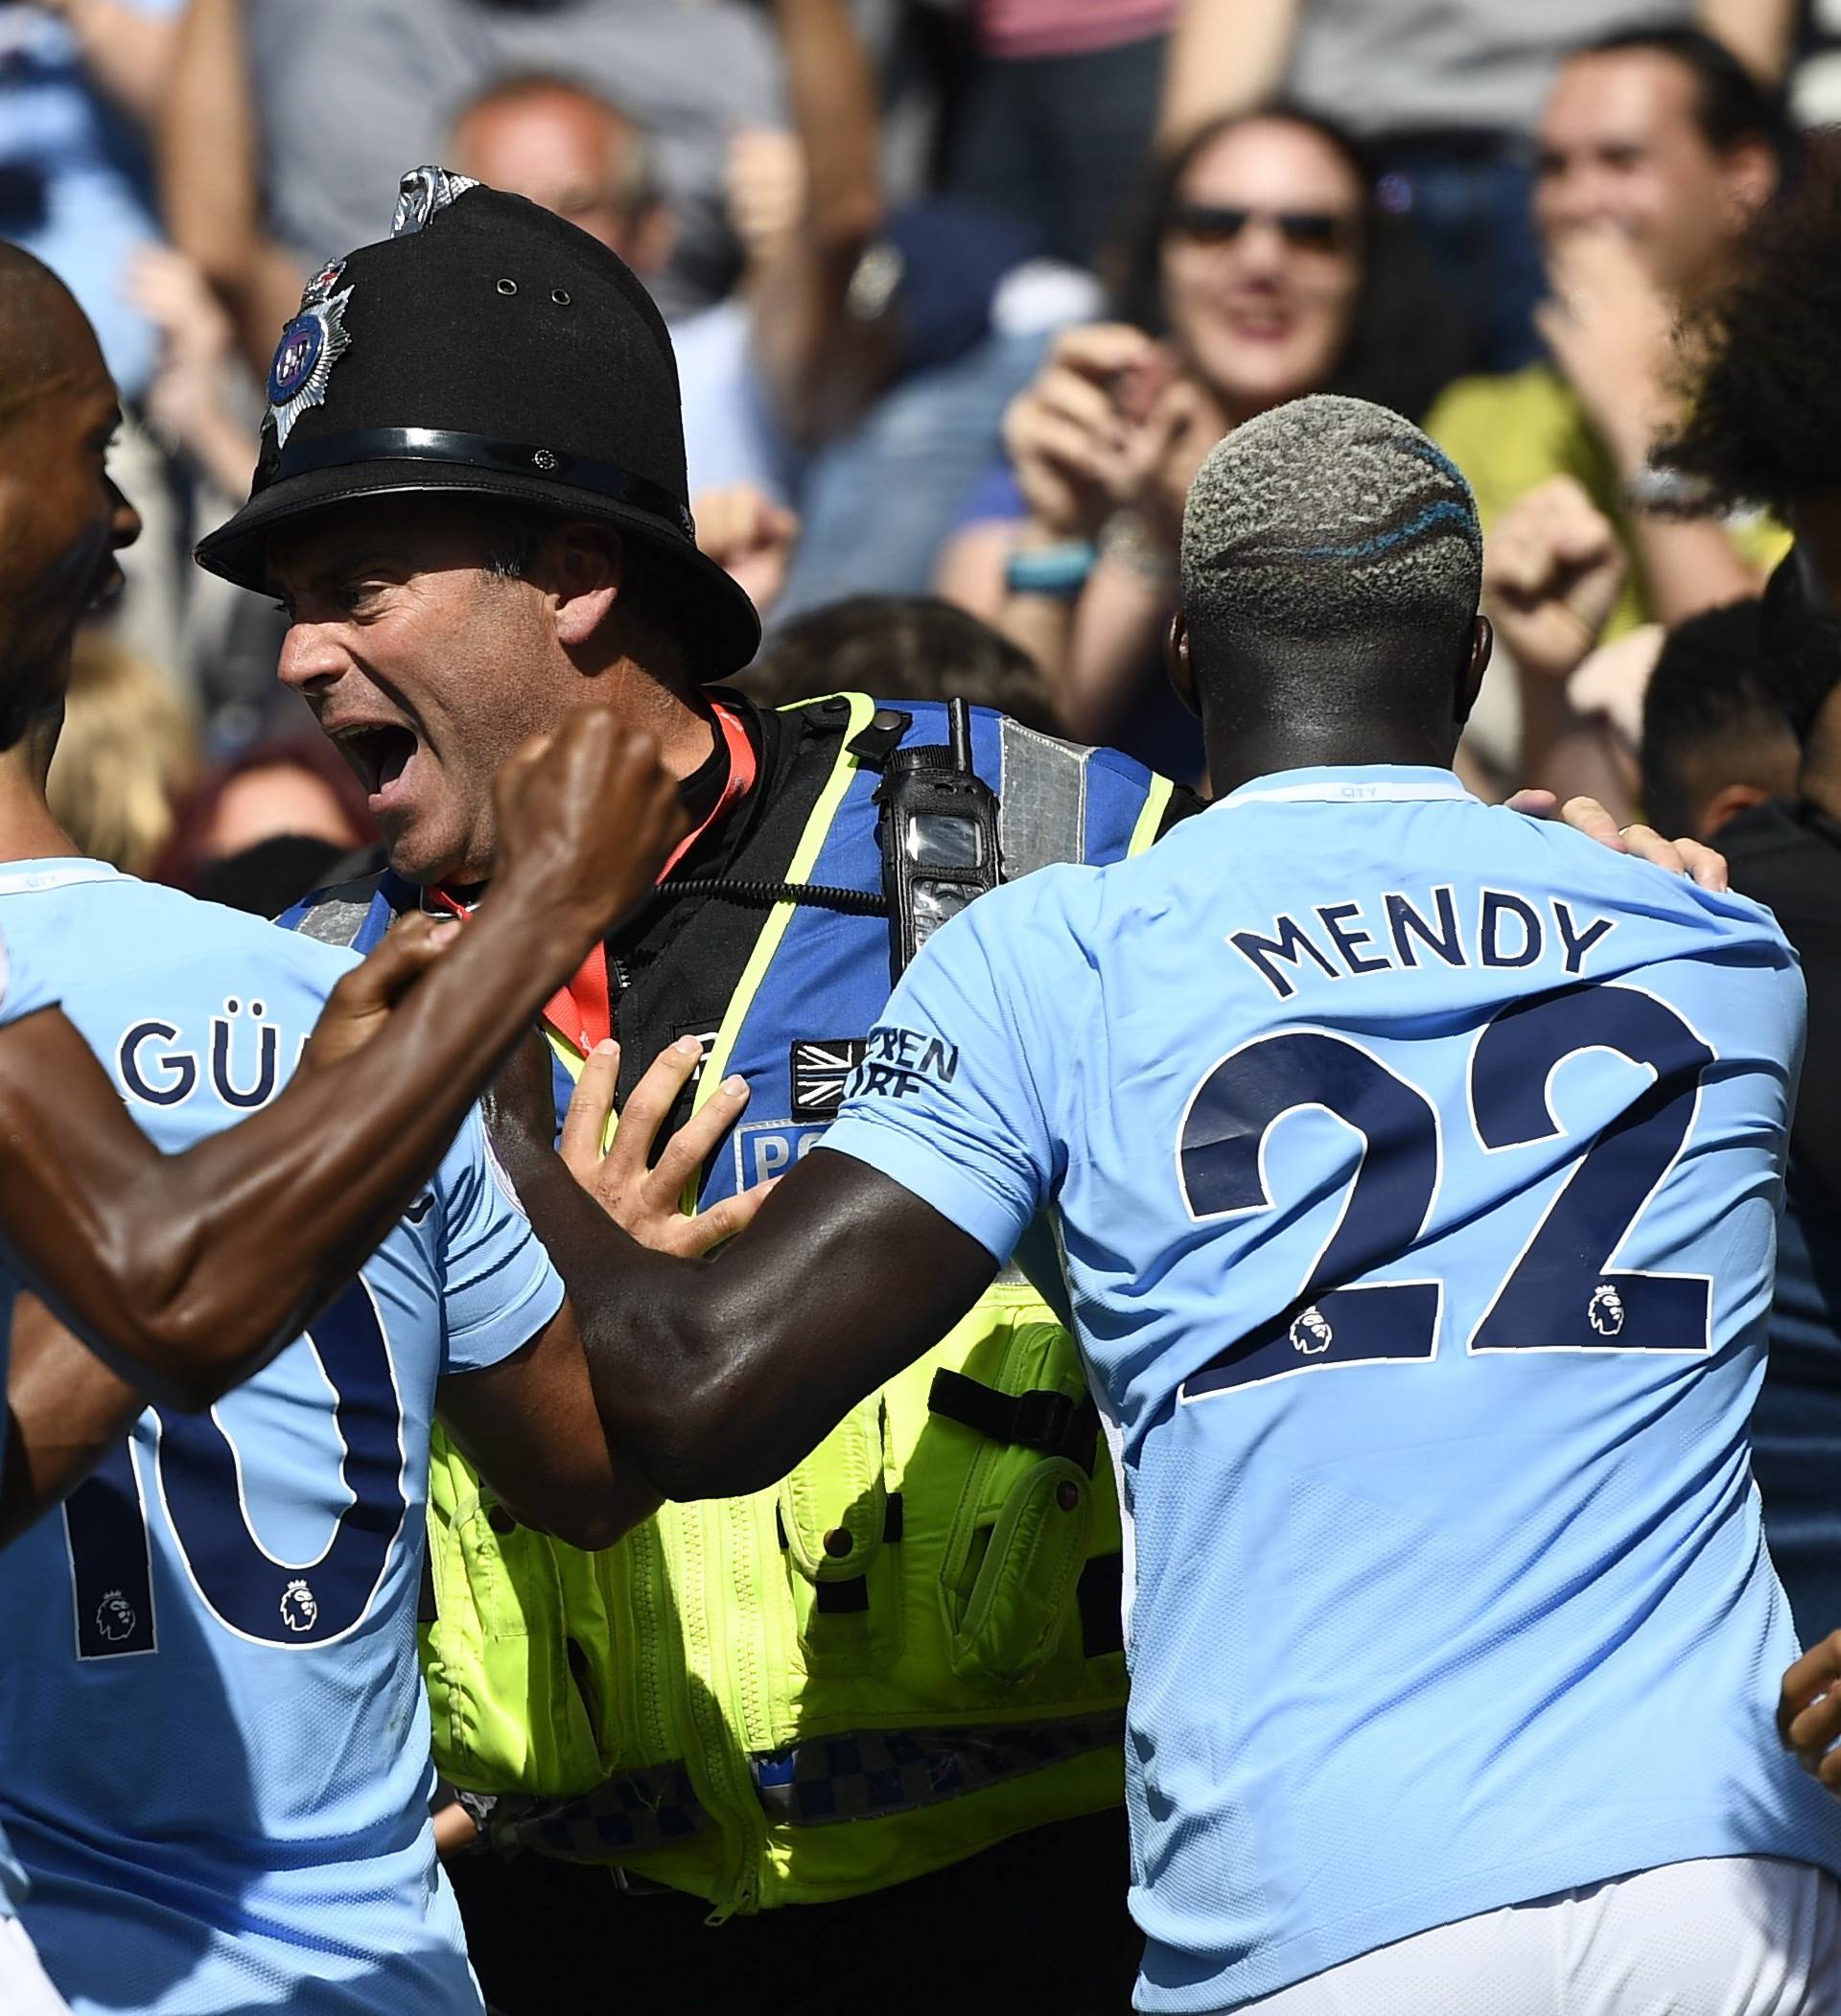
[[1788, 856]]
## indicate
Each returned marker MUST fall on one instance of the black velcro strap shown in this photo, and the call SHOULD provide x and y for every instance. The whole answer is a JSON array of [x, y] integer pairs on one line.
[[1041, 1419], [1101, 1595], [873, 746], [836, 1599]]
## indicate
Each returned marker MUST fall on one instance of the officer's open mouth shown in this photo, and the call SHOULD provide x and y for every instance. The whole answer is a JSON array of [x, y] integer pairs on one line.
[[380, 755]]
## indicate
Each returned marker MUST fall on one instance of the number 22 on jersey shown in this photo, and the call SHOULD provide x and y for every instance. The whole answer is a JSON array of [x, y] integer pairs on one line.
[[1561, 1293]]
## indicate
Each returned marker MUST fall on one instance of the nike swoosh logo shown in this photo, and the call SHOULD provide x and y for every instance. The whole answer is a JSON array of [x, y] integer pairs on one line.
[[420, 1209]]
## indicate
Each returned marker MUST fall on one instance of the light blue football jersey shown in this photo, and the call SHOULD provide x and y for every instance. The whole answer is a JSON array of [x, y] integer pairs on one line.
[[24, 989], [214, 1743], [1415, 1167]]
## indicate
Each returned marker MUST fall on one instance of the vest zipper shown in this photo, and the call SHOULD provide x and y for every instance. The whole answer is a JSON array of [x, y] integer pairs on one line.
[[735, 1806]]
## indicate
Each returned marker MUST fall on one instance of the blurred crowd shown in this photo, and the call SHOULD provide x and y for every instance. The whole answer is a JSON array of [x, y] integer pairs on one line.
[[961, 295]]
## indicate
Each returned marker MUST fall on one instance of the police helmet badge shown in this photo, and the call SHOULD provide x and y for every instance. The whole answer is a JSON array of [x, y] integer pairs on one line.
[[424, 191], [310, 346]]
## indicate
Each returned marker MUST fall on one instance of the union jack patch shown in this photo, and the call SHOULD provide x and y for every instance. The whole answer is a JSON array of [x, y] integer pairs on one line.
[[820, 1073]]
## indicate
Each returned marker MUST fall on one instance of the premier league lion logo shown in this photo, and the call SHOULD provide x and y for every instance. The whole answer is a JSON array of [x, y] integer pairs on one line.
[[115, 1617], [299, 1606], [1311, 1332], [1605, 1310]]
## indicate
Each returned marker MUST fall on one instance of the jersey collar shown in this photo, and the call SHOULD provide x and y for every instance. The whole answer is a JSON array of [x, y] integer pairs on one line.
[[21, 878], [1350, 784]]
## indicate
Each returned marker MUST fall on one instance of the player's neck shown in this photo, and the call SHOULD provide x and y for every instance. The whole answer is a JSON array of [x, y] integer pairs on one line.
[[28, 831], [1242, 750]]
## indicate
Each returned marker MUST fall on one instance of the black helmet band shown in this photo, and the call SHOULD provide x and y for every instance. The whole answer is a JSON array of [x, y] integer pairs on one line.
[[434, 444]]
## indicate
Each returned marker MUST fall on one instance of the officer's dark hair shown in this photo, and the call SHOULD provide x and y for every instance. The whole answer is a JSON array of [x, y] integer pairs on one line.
[[1711, 717], [1764, 423], [1406, 339], [1332, 563], [1730, 104], [897, 647], [511, 534]]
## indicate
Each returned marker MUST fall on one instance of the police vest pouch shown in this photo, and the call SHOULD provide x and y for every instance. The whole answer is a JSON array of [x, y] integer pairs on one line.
[[529, 1727], [837, 1518], [685, 1703], [1032, 1561], [834, 1507]]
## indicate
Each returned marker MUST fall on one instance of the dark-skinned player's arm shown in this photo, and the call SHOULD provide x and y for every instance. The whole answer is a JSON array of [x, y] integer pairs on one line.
[[188, 1271], [719, 1376], [531, 1425], [65, 1411]]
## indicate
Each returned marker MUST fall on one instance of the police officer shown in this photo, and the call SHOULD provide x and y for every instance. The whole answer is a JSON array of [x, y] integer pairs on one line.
[[471, 500]]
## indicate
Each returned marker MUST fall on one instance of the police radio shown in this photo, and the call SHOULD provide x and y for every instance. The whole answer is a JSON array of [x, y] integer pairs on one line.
[[938, 836]]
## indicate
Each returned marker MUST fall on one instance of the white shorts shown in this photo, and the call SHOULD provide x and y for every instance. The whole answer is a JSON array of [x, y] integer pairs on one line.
[[1745, 1935], [25, 1990]]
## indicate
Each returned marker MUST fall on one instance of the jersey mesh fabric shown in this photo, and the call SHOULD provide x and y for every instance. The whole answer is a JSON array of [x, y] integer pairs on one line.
[[214, 1746], [1448, 1553]]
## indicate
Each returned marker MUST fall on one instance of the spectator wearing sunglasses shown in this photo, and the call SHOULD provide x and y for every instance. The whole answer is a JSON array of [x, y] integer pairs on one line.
[[1657, 152], [1262, 271]]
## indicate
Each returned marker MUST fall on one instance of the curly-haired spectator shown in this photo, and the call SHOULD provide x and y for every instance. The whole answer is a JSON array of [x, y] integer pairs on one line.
[[1763, 427]]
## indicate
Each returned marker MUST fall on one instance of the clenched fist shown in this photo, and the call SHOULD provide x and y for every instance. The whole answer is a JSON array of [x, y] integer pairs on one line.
[[1552, 569]]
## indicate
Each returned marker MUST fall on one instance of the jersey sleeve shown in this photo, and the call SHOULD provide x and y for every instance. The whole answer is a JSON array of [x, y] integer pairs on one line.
[[499, 1286], [944, 1102]]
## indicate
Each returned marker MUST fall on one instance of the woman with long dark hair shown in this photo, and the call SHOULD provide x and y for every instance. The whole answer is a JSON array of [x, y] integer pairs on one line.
[[1263, 270]]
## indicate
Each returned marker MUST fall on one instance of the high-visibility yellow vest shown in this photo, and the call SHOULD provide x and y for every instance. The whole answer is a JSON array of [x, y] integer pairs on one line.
[[917, 1630]]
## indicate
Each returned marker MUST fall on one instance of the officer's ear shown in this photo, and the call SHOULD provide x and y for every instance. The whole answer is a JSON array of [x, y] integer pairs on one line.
[[583, 567], [1176, 658]]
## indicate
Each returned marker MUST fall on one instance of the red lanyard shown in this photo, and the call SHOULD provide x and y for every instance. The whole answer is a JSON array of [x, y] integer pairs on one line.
[[582, 1012]]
